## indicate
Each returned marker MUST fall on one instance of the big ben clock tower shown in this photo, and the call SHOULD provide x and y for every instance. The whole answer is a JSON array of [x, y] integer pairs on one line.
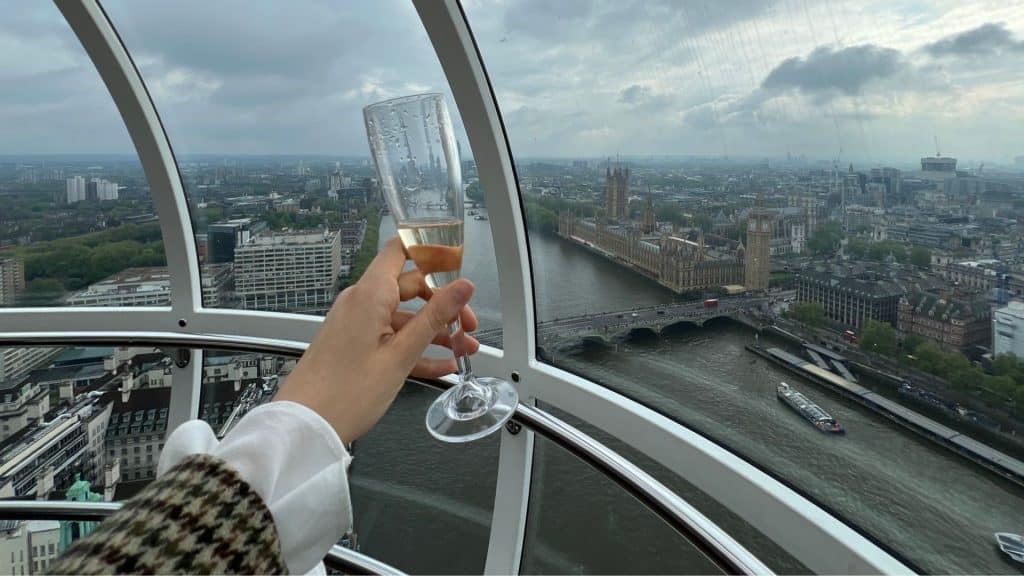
[[756, 267]]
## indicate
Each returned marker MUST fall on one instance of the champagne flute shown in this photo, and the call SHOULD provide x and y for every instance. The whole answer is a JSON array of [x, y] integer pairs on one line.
[[413, 146]]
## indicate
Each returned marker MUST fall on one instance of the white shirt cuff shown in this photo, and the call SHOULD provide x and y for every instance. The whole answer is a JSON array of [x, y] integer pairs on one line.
[[294, 460]]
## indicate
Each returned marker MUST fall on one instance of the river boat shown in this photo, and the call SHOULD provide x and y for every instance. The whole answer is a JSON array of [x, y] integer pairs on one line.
[[1012, 545], [809, 410]]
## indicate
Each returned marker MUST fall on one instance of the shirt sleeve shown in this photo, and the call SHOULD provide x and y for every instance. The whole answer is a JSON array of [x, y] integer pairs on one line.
[[294, 460]]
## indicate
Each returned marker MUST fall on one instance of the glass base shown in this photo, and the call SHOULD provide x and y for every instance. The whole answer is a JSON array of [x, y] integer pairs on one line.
[[461, 414]]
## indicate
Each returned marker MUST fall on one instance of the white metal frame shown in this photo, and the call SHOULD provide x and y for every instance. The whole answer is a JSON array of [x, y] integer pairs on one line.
[[819, 540]]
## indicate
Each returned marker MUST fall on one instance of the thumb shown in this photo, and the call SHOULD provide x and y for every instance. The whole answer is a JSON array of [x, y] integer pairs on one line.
[[442, 309]]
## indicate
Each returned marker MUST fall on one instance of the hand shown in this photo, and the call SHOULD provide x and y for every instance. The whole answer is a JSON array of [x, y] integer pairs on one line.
[[367, 347]]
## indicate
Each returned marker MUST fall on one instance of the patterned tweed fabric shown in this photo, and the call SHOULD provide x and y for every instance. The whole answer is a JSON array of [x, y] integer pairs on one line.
[[199, 518]]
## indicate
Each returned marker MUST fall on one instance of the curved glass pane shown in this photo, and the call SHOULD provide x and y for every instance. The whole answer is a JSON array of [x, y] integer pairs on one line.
[[633, 518], [705, 182], [263, 104], [421, 505], [592, 526], [77, 226]]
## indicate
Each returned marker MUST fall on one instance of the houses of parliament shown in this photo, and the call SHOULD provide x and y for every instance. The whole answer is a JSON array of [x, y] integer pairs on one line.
[[672, 259]]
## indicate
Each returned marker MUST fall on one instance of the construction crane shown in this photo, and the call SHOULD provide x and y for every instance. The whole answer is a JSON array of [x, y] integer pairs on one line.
[[937, 153]]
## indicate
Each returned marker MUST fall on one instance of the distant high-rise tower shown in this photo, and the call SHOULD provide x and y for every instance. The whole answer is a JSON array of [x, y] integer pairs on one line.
[[618, 193], [892, 179], [757, 268], [12, 281], [75, 189]]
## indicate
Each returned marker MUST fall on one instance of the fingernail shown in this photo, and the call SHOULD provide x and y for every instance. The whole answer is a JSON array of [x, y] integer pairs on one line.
[[463, 291]]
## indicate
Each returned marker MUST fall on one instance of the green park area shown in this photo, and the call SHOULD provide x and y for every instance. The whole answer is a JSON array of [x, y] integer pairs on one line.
[[56, 267]]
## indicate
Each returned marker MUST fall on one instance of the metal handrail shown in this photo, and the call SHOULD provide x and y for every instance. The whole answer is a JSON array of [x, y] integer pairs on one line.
[[720, 548], [339, 558]]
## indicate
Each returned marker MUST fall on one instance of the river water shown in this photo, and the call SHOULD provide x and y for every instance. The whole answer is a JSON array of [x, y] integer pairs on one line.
[[934, 509]]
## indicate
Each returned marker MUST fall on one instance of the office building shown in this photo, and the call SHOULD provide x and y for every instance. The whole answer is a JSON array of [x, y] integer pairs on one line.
[[129, 287], [28, 547], [938, 165], [224, 237], [892, 179], [850, 301], [100, 189], [953, 323], [75, 189], [16, 362], [151, 286], [857, 218], [24, 403], [12, 280], [1008, 330], [294, 272], [216, 281], [135, 433]]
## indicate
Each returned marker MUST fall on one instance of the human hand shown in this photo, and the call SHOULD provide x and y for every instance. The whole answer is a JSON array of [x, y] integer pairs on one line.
[[367, 347]]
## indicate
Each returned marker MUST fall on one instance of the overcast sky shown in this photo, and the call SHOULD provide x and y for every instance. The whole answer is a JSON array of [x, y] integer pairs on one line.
[[868, 82]]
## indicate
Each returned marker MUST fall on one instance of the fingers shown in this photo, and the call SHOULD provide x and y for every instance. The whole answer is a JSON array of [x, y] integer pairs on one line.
[[446, 303], [412, 284], [402, 317], [388, 262]]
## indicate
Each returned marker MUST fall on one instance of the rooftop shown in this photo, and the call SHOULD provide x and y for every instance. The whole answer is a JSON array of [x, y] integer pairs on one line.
[[867, 286], [150, 279], [948, 309], [297, 237], [1015, 308]]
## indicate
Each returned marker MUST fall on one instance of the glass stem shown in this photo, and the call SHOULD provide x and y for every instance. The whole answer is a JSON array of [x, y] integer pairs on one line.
[[457, 337]]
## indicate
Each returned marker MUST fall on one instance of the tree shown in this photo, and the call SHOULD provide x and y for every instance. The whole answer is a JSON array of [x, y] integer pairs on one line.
[[1018, 397], [929, 357], [857, 248], [1002, 386], [1009, 365], [41, 292], [879, 337], [826, 240], [669, 213], [810, 313], [911, 343], [921, 257]]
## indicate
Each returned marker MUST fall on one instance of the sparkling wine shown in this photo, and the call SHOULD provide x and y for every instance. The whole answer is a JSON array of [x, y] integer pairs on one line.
[[436, 248]]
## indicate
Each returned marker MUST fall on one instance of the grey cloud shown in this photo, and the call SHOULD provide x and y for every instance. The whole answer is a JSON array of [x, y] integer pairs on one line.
[[643, 100], [987, 39], [634, 94], [845, 71]]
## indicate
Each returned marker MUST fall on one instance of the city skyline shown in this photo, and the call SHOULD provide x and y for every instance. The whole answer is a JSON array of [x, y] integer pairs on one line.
[[870, 84]]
